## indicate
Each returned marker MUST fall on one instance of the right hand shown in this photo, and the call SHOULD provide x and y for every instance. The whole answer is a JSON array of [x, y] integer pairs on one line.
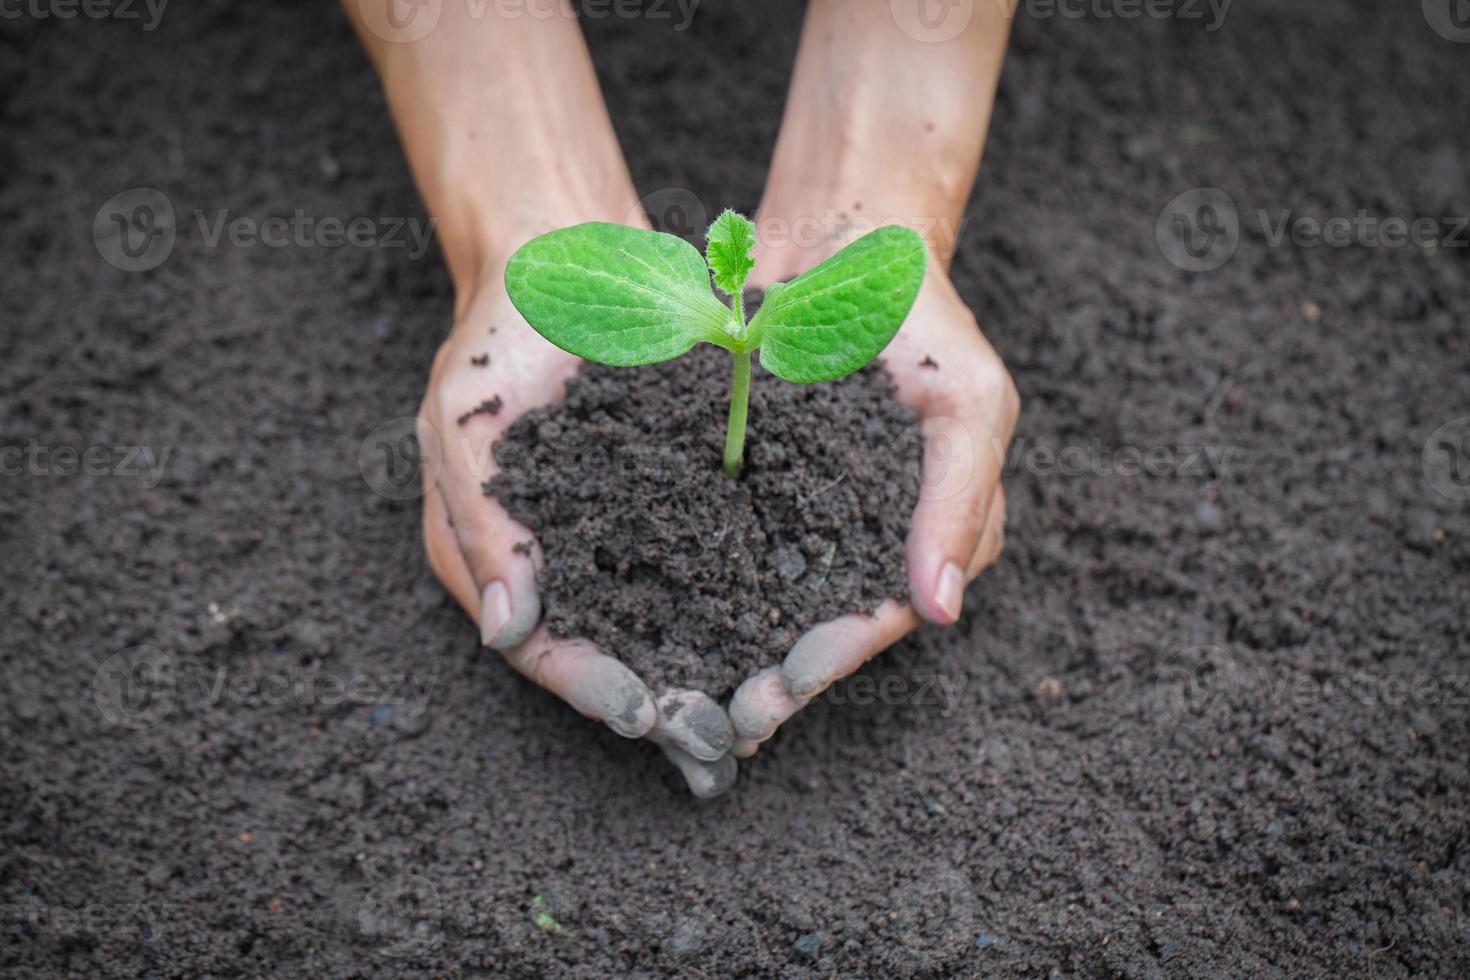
[[471, 542]]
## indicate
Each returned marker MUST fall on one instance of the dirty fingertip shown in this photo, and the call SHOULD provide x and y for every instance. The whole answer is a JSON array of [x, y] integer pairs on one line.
[[629, 710], [706, 780], [513, 616], [760, 704], [709, 723], [817, 657]]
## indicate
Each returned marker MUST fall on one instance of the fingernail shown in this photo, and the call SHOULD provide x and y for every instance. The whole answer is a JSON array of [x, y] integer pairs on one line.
[[950, 592], [494, 611]]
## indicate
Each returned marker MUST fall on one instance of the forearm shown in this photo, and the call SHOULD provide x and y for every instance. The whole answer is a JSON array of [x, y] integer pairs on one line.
[[881, 128], [504, 128]]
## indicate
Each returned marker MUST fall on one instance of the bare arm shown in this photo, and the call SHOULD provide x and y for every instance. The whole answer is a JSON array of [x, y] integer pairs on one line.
[[504, 127], [881, 126], [507, 135], [886, 126]]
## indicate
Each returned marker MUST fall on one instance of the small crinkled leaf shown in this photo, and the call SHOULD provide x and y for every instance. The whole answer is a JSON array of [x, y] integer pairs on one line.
[[727, 249], [617, 295], [831, 320]]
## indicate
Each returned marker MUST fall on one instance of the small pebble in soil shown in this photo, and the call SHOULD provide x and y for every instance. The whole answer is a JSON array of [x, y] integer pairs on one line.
[[688, 938], [1049, 691], [790, 563], [1209, 515], [810, 944], [986, 939]]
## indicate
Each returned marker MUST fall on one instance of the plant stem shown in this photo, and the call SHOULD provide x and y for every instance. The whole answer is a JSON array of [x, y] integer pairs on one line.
[[739, 403]]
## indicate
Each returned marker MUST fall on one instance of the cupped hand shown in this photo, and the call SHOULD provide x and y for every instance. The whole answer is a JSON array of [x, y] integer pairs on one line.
[[491, 370], [944, 369]]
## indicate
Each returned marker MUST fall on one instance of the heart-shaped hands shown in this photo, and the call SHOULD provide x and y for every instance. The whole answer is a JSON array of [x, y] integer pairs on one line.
[[942, 367]]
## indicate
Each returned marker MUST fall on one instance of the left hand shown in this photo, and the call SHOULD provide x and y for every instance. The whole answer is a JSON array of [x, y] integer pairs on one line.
[[945, 370]]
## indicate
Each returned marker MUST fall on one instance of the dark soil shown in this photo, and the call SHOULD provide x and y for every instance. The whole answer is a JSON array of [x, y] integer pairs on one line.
[[694, 580], [1204, 718]]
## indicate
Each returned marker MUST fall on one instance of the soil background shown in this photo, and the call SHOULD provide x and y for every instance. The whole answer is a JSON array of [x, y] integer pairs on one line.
[[1200, 719]]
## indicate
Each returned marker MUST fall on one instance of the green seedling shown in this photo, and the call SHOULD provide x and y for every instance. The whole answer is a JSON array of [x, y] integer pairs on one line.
[[626, 297]]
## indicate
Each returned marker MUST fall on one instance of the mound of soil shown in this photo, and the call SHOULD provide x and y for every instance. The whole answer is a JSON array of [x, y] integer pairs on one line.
[[695, 580]]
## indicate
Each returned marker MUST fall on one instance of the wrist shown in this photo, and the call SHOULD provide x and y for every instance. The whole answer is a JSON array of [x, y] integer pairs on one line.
[[827, 190], [495, 217], [799, 226]]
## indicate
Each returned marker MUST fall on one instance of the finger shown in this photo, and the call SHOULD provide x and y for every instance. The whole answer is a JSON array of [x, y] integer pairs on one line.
[[445, 558], [992, 539], [706, 779], [964, 450], [761, 703], [593, 683], [833, 650], [823, 654], [498, 553], [744, 748], [693, 722]]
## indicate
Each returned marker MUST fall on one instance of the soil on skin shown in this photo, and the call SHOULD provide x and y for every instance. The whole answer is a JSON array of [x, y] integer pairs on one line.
[[1207, 716], [694, 580]]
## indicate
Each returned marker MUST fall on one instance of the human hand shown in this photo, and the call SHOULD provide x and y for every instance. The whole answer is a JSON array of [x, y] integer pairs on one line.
[[472, 542], [944, 369]]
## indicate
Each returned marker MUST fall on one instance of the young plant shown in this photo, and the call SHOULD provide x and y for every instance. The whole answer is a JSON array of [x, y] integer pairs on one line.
[[624, 296]]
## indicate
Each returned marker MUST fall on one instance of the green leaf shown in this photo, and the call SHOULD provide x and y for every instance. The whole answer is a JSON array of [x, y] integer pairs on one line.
[[727, 249], [617, 295], [831, 320]]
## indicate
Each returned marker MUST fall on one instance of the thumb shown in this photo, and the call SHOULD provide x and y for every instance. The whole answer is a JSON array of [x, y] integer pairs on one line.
[[964, 454], [498, 555]]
